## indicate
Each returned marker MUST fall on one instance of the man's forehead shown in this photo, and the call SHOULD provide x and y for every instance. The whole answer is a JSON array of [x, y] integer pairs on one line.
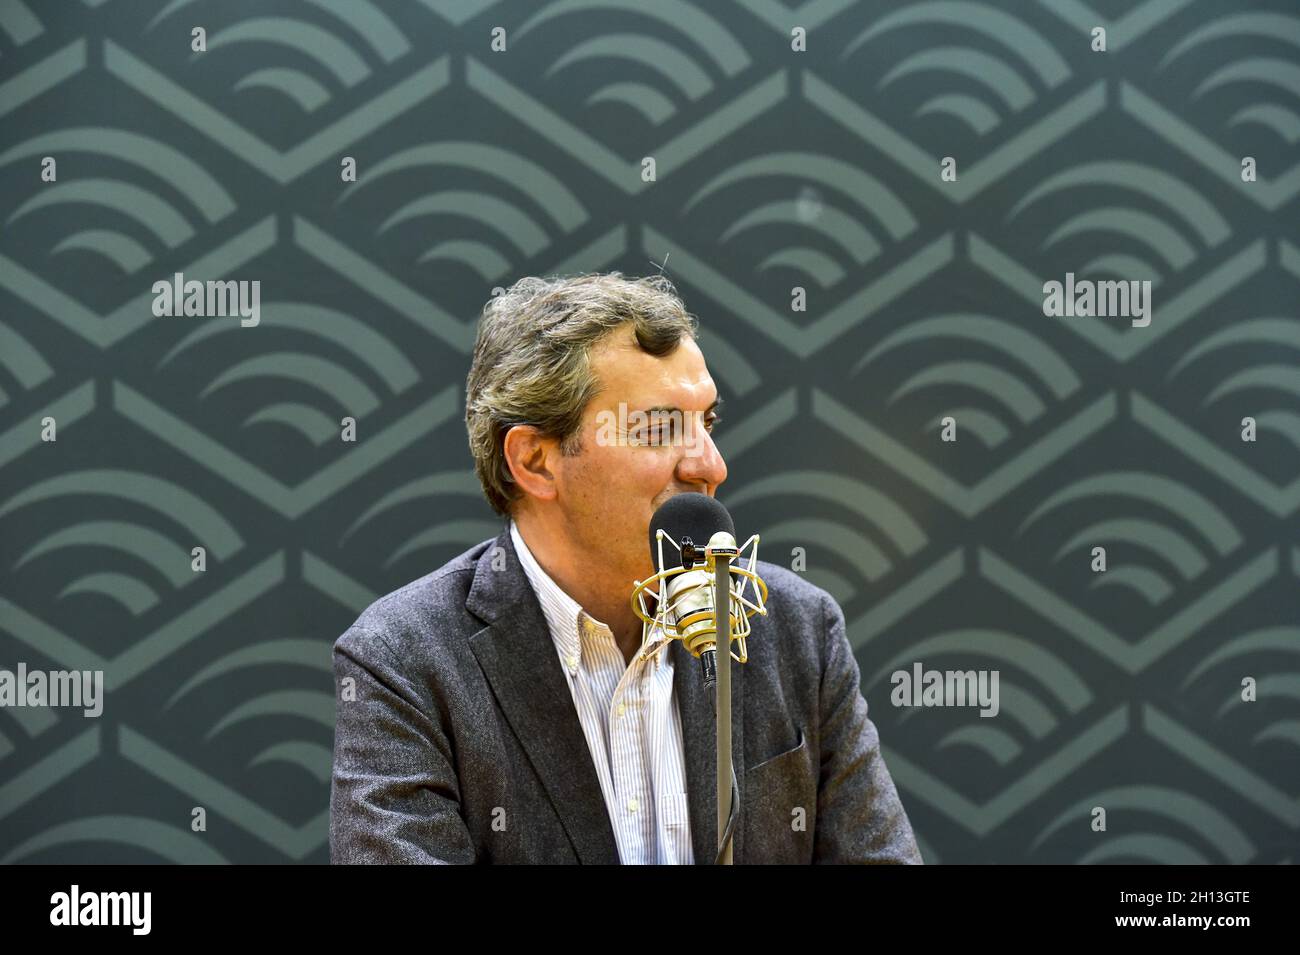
[[627, 373]]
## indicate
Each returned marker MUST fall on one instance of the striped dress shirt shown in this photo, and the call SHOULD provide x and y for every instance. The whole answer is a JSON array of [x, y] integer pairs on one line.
[[630, 718]]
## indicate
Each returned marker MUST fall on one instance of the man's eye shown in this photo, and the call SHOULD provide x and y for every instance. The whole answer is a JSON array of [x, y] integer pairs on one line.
[[716, 419]]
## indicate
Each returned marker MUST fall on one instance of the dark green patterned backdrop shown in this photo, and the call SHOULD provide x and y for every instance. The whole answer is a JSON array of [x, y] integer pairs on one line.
[[861, 201]]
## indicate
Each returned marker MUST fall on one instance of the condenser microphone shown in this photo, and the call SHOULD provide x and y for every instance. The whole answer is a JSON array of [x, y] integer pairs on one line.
[[691, 520], [690, 535]]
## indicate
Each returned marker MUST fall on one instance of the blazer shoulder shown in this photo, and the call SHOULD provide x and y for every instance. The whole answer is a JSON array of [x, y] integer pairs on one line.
[[434, 603], [787, 588], [796, 608]]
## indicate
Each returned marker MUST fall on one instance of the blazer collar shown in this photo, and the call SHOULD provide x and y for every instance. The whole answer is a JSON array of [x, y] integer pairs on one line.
[[518, 658]]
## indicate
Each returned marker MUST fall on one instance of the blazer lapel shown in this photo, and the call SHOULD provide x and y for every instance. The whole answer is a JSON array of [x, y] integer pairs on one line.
[[700, 742], [518, 658]]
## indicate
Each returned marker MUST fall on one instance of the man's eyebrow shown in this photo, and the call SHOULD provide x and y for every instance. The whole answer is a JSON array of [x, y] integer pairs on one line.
[[668, 409]]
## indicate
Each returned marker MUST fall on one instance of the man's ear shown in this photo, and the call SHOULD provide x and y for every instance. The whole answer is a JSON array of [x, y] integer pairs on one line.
[[529, 454]]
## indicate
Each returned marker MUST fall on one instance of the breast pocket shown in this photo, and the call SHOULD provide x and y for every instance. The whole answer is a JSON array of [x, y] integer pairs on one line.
[[780, 806], [675, 813]]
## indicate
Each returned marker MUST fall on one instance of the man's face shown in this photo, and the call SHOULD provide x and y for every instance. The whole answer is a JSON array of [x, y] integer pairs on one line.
[[660, 446]]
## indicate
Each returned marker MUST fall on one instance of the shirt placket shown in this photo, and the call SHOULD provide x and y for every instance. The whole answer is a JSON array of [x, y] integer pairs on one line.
[[625, 718]]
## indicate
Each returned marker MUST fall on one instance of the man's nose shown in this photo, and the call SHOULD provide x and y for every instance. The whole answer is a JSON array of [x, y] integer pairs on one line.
[[702, 463]]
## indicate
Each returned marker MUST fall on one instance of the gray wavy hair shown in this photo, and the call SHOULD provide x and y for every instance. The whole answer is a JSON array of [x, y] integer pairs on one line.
[[531, 359]]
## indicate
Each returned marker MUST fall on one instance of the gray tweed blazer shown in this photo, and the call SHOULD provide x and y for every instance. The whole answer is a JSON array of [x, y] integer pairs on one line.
[[457, 740]]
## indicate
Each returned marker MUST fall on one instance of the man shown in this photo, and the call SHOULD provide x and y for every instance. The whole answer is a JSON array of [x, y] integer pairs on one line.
[[499, 710]]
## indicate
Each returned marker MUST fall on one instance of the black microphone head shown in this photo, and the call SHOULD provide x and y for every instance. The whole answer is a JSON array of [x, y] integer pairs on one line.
[[692, 515]]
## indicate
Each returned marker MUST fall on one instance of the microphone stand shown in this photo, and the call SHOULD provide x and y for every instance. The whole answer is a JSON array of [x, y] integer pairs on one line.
[[722, 604]]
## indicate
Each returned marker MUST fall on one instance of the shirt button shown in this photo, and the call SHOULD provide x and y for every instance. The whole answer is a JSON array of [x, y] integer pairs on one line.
[[621, 708], [632, 805]]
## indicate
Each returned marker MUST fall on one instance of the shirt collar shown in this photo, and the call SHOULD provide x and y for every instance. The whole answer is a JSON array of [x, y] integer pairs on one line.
[[564, 616]]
